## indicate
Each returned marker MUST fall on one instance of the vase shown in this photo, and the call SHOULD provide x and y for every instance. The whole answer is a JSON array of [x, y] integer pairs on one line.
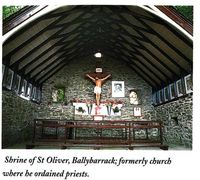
[[89, 107], [109, 110]]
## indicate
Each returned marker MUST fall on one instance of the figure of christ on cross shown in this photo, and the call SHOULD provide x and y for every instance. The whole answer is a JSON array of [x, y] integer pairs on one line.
[[98, 83]]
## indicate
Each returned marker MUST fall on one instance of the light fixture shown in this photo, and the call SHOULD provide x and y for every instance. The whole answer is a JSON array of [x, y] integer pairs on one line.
[[98, 55]]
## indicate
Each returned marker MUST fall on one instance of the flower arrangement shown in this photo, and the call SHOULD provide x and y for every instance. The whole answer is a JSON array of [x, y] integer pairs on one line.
[[80, 109], [116, 109], [89, 105]]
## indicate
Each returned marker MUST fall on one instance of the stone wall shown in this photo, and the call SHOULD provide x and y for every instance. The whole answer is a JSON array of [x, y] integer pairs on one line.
[[18, 114], [81, 88], [17, 119], [177, 119]]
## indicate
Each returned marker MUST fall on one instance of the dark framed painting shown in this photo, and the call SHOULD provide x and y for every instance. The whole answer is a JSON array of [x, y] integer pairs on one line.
[[29, 90], [17, 82], [154, 100], [166, 93], [39, 95], [172, 91], [24, 88], [34, 94], [188, 83], [3, 70], [179, 88], [9, 79], [157, 97], [161, 99]]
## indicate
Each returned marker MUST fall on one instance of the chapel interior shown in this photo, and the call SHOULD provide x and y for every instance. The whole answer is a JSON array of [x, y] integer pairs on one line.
[[97, 77]]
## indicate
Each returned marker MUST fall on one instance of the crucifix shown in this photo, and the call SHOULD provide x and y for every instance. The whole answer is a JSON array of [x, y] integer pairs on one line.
[[98, 79]]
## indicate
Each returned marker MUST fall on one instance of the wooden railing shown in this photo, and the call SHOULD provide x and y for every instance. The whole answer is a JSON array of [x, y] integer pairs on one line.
[[97, 134]]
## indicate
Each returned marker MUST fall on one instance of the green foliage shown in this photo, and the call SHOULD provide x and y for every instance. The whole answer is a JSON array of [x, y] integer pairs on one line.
[[80, 109], [116, 109], [186, 11], [61, 94], [9, 10]]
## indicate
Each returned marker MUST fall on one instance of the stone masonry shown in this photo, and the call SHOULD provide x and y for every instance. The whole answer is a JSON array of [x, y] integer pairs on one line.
[[17, 119], [177, 119], [81, 88]]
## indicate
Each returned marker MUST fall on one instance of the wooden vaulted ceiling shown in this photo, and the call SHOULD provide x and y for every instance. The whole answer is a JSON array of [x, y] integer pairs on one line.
[[152, 47]]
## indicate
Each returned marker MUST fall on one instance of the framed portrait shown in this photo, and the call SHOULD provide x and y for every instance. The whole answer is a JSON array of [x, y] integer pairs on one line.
[[34, 93], [16, 86], [135, 96], [9, 79], [24, 88], [29, 90], [137, 111], [179, 87], [160, 93], [3, 70], [118, 89], [39, 95], [188, 83], [166, 94], [154, 98], [172, 91]]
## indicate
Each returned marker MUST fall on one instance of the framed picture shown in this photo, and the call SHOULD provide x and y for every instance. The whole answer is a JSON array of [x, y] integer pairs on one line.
[[17, 82], [3, 70], [58, 94], [166, 94], [135, 96], [39, 95], [24, 87], [29, 90], [9, 79], [157, 97], [137, 111], [160, 93], [179, 87], [188, 84], [99, 70], [154, 98], [172, 91], [34, 94], [98, 118], [118, 89]]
